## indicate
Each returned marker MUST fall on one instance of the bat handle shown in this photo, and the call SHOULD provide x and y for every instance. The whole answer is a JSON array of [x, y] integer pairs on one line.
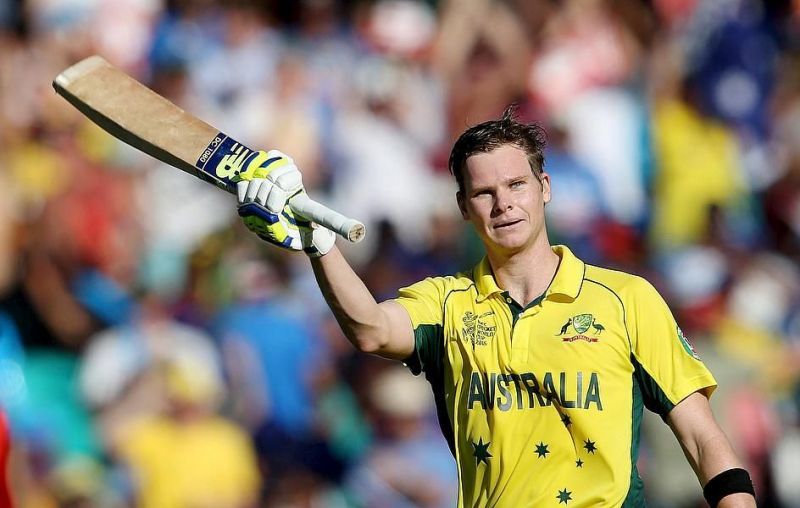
[[349, 228]]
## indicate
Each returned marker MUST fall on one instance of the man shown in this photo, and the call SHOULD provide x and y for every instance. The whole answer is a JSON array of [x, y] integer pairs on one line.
[[539, 363]]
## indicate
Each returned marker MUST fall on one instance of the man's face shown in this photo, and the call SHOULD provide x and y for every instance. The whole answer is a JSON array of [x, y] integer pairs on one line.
[[503, 199]]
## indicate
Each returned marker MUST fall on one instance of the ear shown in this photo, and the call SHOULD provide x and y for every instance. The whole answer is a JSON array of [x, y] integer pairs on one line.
[[462, 205], [545, 181]]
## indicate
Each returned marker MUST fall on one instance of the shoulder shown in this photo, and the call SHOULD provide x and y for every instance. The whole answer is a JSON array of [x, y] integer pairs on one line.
[[627, 287], [440, 286]]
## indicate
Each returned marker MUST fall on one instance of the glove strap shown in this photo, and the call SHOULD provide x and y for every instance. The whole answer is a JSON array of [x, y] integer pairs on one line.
[[252, 209]]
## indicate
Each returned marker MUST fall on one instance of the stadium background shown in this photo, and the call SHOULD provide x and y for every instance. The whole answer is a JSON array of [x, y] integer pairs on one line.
[[152, 353]]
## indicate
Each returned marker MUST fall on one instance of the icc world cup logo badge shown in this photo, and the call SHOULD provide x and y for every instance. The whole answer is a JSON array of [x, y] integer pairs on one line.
[[581, 324], [476, 329]]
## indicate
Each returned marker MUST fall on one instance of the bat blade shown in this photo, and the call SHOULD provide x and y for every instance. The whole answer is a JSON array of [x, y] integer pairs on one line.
[[140, 117]]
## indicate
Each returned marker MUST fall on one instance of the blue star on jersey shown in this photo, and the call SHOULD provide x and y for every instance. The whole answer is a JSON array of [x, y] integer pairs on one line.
[[481, 452], [542, 451]]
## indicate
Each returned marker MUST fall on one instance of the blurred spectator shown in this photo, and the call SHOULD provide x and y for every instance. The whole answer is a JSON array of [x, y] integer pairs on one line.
[[483, 44], [782, 211], [587, 54], [69, 260], [119, 376], [402, 34], [584, 47], [410, 464], [732, 49], [578, 205], [394, 265], [232, 73], [339, 414], [187, 455], [607, 134], [786, 466], [272, 353], [184, 33], [784, 458], [5, 452], [382, 168], [698, 168]]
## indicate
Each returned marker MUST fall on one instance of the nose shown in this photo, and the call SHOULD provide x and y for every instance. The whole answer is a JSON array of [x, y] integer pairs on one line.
[[502, 203]]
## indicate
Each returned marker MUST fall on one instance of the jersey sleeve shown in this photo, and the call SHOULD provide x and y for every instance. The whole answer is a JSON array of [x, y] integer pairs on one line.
[[667, 368], [424, 302]]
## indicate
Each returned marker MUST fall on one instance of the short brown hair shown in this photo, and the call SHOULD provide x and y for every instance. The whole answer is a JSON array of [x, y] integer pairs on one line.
[[487, 136]]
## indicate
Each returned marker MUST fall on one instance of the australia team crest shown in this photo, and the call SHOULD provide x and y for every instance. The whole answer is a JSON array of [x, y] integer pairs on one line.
[[585, 327]]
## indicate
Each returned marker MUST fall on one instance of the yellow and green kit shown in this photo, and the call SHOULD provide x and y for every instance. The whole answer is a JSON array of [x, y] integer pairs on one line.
[[541, 404]]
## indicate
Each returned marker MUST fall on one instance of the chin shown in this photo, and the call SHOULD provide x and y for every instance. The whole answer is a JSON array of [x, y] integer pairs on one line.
[[511, 243], [512, 248]]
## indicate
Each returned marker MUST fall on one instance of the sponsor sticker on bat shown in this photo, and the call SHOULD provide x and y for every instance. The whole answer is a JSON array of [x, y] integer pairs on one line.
[[209, 151], [224, 158]]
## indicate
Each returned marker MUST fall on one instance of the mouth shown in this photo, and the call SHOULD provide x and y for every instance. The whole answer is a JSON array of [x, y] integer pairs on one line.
[[507, 224]]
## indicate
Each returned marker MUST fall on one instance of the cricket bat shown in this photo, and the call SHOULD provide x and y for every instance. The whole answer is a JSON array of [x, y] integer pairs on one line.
[[140, 117]]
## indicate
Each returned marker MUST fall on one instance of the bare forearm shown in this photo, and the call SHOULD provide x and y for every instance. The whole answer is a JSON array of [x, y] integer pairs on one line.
[[716, 456], [739, 500], [354, 307], [706, 446], [711, 457]]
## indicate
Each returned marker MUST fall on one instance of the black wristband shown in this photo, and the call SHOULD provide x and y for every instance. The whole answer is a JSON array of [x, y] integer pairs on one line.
[[732, 481]]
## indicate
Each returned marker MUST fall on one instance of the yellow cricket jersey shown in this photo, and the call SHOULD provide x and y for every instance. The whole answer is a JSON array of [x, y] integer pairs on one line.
[[541, 405]]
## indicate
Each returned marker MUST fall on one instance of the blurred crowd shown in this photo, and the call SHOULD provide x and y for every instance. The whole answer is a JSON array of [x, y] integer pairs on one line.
[[155, 354]]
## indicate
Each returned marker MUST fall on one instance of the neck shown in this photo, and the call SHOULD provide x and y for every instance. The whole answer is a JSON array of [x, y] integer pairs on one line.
[[525, 274]]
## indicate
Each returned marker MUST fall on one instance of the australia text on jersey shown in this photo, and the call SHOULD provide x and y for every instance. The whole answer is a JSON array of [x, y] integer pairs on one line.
[[508, 391]]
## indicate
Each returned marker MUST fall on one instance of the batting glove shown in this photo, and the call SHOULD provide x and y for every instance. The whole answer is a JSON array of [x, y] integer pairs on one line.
[[264, 189]]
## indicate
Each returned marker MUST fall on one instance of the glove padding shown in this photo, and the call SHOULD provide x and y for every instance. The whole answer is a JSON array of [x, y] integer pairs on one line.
[[264, 189]]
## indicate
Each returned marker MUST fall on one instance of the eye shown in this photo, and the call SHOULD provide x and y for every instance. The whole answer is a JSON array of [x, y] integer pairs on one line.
[[517, 184]]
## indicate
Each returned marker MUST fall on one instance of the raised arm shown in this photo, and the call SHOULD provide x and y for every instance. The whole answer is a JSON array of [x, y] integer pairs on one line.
[[710, 454], [383, 329]]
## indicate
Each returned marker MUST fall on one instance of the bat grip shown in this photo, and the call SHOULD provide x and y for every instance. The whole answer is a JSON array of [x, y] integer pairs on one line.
[[349, 228]]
